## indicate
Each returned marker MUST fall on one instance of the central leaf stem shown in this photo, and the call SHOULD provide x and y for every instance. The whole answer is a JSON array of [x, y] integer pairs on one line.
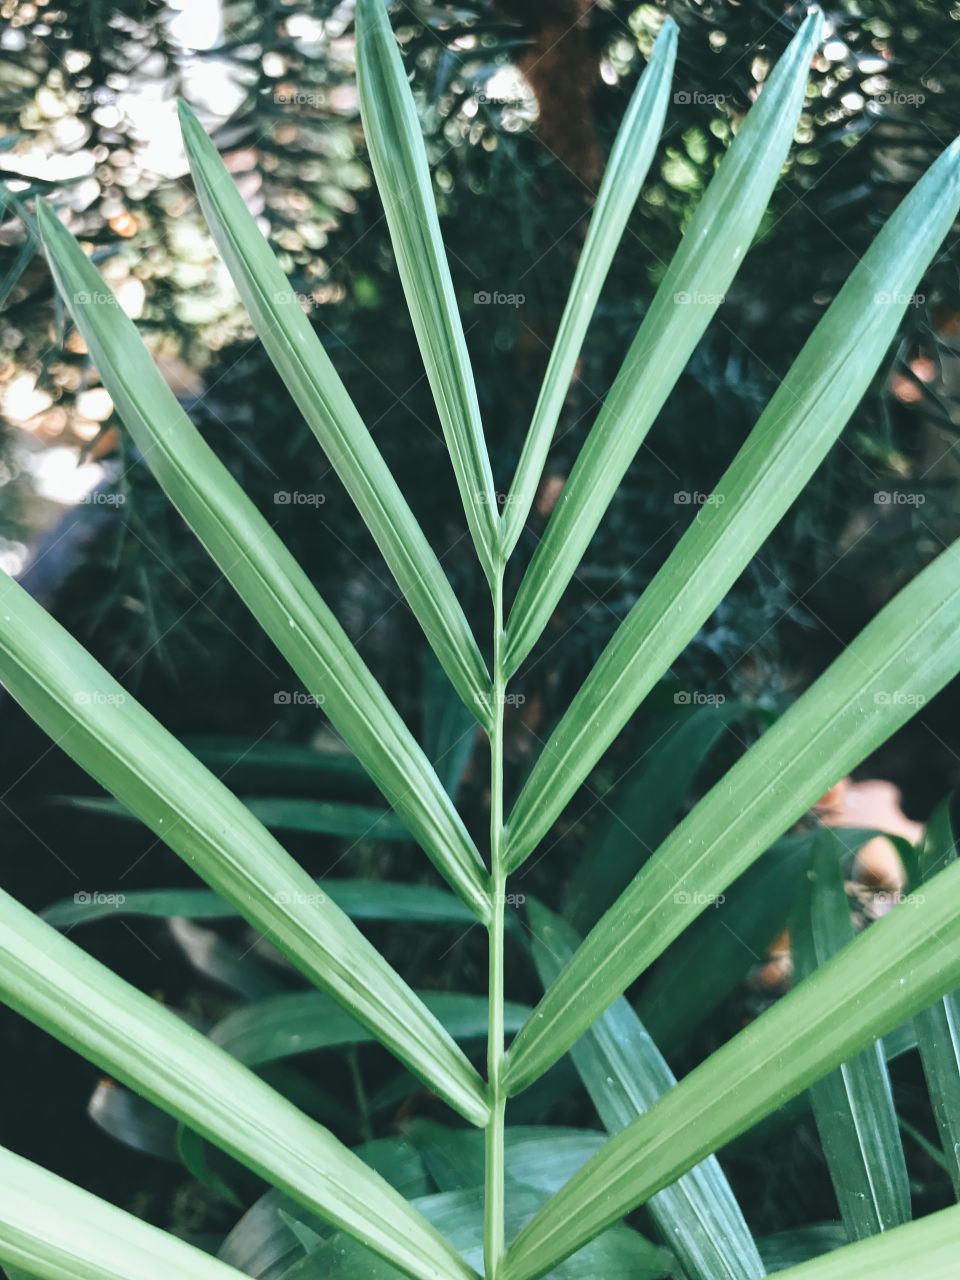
[[493, 1225]]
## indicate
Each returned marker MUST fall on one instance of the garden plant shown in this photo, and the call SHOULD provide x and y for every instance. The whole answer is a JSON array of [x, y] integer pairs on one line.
[[825, 1036]]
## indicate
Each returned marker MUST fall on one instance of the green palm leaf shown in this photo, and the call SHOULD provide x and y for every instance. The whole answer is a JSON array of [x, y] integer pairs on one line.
[[399, 163], [708, 258]]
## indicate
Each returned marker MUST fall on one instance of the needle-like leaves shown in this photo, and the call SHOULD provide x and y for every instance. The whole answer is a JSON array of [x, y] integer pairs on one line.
[[627, 167], [708, 258], [907, 653], [57, 1231], [399, 161], [94, 720], [321, 397], [66, 992], [264, 573], [938, 1028], [793, 435], [912, 957], [853, 1106], [625, 1074]]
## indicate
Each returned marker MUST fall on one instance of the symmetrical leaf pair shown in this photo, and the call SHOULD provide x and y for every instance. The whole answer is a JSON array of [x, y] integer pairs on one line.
[[665, 1133]]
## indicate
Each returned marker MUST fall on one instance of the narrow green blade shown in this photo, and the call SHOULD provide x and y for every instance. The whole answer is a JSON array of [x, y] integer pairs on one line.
[[313, 817], [793, 435], [399, 161], [913, 958], [627, 168], [905, 655], [708, 258], [57, 1231], [69, 994], [305, 1021], [931, 1246], [265, 575], [625, 1073], [938, 1028], [321, 397], [359, 899], [92, 718], [853, 1106], [642, 811]]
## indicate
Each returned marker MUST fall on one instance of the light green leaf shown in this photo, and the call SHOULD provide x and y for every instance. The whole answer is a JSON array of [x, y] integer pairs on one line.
[[912, 956], [305, 1021], [708, 258], [793, 435], [321, 397], [853, 1106], [626, 170], [359, 899], [66, 992], [99, 725], [265, 575], [929, 1245], [56, 1231], [938, 1028], [625, 1074], [904, 656], [399, 161]]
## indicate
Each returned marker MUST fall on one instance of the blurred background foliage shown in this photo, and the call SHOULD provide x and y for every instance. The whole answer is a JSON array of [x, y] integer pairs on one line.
[[520, 102]]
